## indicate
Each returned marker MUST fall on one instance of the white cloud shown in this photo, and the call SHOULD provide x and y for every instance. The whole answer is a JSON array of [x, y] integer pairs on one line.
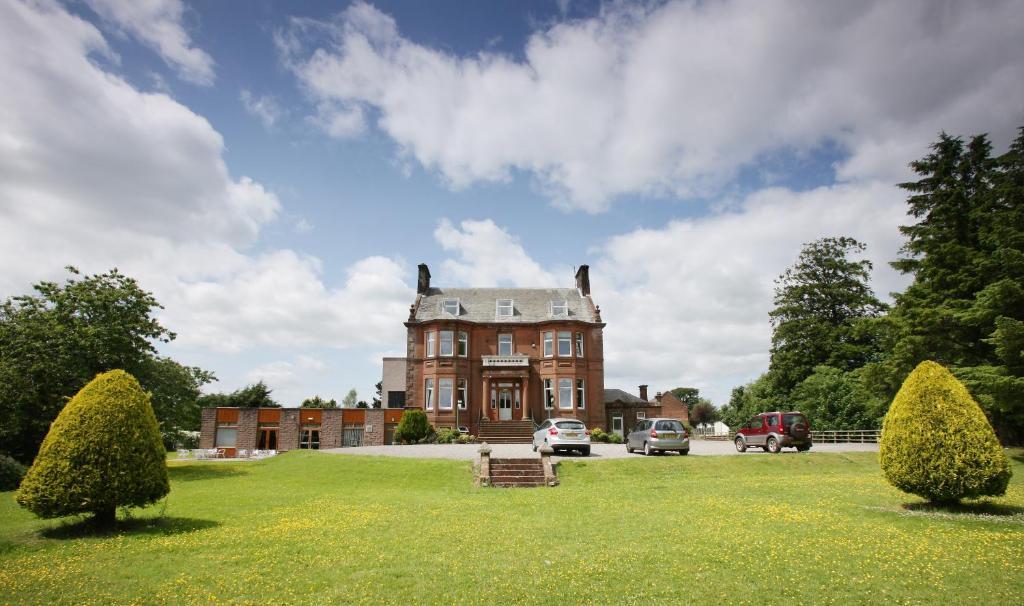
[[263, 107], [136, 180], [159, 25], [284, 375], [672, 99], [487, 256]]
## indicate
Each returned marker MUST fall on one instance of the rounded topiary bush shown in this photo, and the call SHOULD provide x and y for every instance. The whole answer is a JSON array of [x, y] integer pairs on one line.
[[11, 473], [937, 443], [412, 427], [103, 451]]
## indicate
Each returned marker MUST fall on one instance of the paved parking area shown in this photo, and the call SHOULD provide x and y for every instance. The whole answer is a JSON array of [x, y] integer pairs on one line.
[[597, 451]]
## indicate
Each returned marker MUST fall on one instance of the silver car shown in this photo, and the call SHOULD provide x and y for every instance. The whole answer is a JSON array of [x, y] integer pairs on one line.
[[563, 434], [658, 435]]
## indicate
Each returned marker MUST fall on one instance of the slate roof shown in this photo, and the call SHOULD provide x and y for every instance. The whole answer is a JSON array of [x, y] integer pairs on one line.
[[617, 395], [528, 304]]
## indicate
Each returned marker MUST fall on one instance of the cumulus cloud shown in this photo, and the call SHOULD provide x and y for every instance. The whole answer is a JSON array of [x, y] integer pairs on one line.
[[670, 99], [159, 24], [488, 255], [95, 173]]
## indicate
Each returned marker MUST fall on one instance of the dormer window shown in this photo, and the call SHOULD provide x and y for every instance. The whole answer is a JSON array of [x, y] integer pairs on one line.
[[559, 309], [504, 308], [450, 306]]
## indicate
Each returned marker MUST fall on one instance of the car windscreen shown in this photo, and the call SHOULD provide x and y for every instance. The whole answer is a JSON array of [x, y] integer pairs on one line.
[[570, 425], [789, 419], [668, 426]]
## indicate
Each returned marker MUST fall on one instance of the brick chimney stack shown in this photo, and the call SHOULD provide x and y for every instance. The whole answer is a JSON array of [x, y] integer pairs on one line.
[[643, 393], [583, 280], [423, 282]]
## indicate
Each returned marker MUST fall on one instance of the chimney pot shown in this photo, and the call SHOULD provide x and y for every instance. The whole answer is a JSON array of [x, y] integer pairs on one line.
[[423, 280], [583, 280], [643, 393]]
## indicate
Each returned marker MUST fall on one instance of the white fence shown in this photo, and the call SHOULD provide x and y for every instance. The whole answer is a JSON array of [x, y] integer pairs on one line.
[[861, 436]]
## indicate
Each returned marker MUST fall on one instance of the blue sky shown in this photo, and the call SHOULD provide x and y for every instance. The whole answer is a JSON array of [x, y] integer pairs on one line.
[[274, 171]]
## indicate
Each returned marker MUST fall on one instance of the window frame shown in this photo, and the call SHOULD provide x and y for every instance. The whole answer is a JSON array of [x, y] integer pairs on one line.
[[498, 306], [511, 344], [579, 345], [462, 393], [462, 349], [548, 339], [567, 335], [440, 393], [641, 414], [549, 394], [428, 393], [451, 343], [581, 394], [565, 383], [445, 304], [430, 343], [562, 304]]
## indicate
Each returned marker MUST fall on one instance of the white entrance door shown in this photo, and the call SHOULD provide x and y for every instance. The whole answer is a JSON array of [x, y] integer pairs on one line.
[[505, 405], [617, 425]]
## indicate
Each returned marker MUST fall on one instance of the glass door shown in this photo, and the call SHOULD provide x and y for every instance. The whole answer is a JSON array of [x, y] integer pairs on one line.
[[309, 438], [505, 405]]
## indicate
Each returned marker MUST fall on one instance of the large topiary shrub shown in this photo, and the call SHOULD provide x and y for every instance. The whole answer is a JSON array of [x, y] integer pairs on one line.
[[937, 443], [103, 451], [413, 426]]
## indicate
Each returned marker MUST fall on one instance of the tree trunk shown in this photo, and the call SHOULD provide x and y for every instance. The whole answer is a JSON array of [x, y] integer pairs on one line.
[[105, 517]]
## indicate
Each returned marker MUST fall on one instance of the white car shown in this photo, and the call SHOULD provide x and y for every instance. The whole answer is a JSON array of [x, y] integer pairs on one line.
[[563, 434]]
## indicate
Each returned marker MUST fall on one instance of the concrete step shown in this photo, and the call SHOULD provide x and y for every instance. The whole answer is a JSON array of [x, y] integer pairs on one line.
[[507, 481]]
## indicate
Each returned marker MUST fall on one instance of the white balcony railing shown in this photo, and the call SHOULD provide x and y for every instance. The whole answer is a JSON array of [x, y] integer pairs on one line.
[[514, 360]]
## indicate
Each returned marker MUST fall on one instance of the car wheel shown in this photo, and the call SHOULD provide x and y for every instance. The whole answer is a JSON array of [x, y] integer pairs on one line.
[[629, 448], [647, 449], [585, 452], [741, 446], [773, 446], [684, 452]]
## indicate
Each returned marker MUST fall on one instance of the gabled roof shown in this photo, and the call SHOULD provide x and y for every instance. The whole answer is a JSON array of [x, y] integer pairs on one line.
[[617, 395], [529, 304]]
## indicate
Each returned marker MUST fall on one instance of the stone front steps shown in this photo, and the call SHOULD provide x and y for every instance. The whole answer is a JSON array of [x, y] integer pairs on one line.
[[506, 432], [517, 472]]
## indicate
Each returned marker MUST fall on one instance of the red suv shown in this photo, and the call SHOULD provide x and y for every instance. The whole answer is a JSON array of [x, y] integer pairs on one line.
[[773, 430]]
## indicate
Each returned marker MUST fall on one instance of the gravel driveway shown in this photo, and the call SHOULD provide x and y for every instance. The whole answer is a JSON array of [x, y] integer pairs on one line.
[[597, 451]]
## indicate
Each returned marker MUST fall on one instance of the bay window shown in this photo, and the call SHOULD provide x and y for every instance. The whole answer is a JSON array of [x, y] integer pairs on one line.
[[548, 338], [565, 394], [579, 345], [463, 344], [444, 393], [549, 394], [581, 397], [428, 394], [564, 344], [430, 344], [447, 344]]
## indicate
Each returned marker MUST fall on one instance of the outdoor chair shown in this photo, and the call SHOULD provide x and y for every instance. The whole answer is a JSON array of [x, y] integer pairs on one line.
[[184, 453], [199, 453], [215, 453], [242, 454]]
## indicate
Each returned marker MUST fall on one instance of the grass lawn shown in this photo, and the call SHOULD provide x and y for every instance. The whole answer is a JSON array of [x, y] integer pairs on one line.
[[313, 528]]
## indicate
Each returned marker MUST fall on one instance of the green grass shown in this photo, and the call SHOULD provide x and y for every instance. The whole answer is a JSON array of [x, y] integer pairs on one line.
[[313, 528]]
